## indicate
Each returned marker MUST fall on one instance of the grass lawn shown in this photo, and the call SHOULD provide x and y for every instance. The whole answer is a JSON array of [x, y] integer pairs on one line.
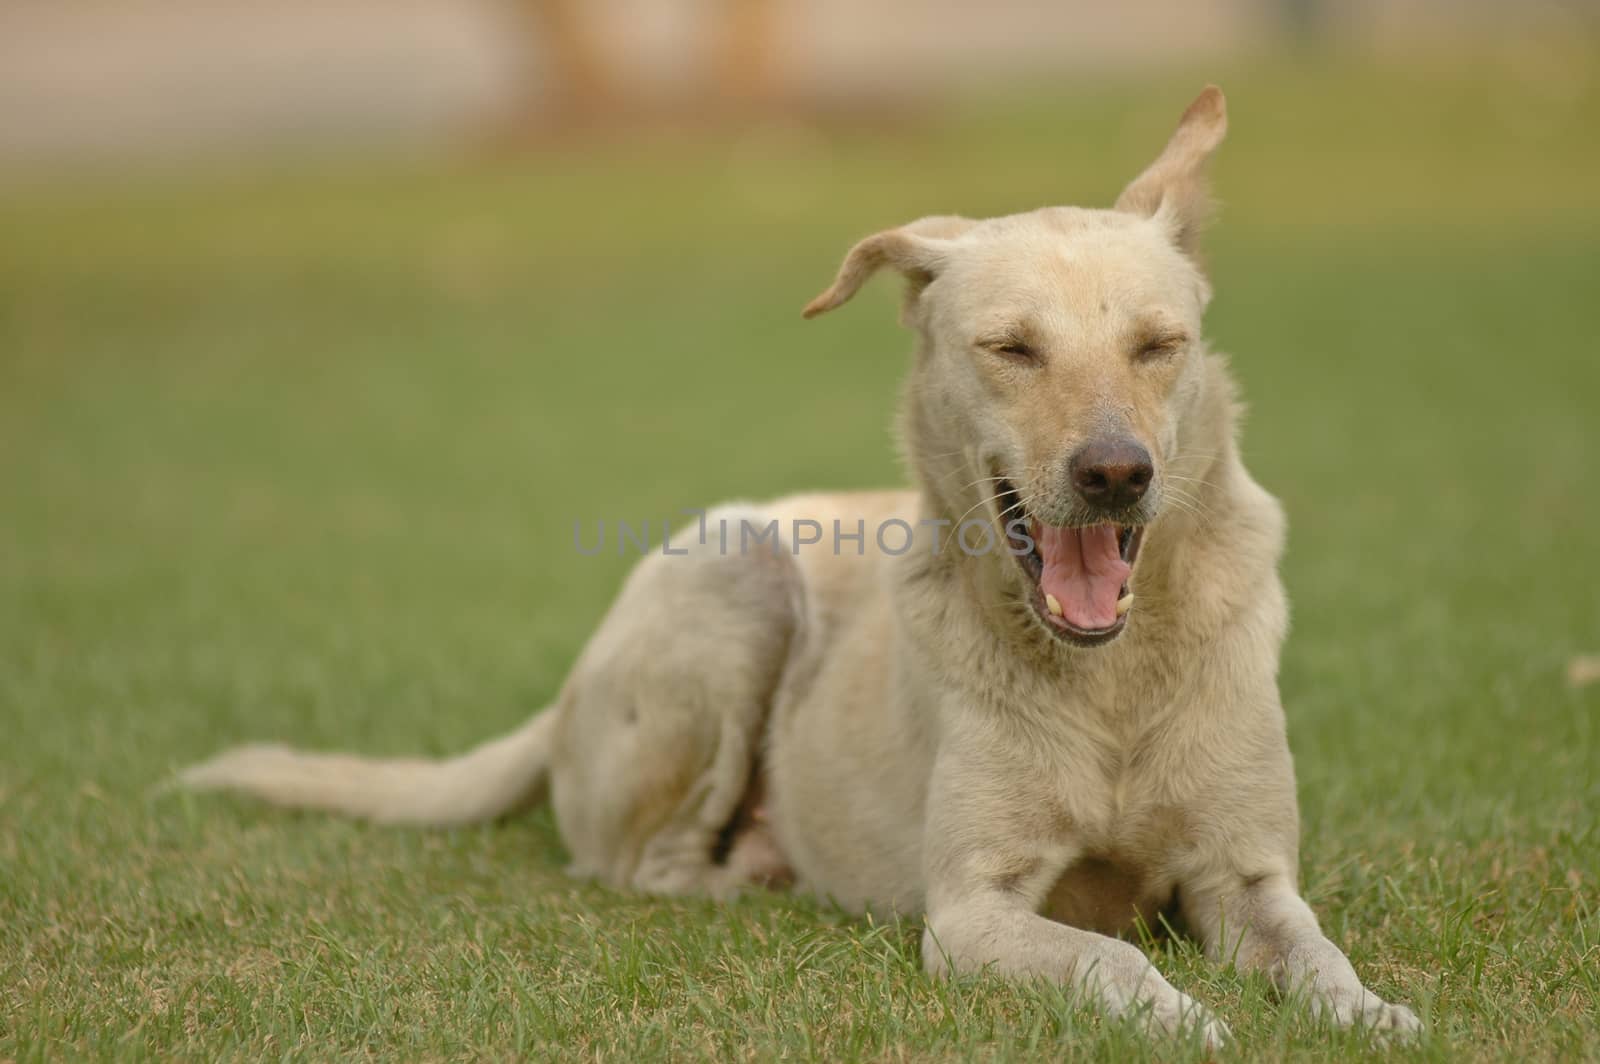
[[298, 456]]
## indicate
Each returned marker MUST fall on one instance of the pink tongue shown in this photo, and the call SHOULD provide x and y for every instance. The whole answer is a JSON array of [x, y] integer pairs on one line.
[[1084, 570]]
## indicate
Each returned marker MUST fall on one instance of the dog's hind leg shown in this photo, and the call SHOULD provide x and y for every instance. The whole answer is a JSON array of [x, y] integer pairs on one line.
[[663, 721]]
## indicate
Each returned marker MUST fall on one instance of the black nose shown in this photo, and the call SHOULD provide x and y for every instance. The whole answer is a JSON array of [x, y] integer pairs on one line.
[[1111, 474]]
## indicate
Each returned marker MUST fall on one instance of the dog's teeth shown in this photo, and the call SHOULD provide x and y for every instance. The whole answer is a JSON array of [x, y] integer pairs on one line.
[[1053, 603], [1124, 604]]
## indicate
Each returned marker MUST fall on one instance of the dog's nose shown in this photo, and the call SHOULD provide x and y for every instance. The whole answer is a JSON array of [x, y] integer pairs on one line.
[[1111, 474]]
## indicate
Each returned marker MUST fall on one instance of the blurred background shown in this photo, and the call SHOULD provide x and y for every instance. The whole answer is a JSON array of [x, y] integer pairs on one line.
[[153, 80], [322, 322], [323, 315], [324, 318]]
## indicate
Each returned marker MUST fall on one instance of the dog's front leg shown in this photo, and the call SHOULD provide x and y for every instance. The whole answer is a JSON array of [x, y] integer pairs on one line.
[[1260, 923], [990, 864], [988, 929]]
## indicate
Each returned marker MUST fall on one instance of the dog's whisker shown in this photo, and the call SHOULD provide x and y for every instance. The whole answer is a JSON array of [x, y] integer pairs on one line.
[[1179, 489], [1191, 507], [949, 473], [985, 501], [1177, 495], [980, 480], [1180, 478], [1175, 492], [1020, 504]]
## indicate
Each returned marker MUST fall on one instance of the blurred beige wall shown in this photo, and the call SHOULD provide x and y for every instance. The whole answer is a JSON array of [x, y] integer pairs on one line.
[[113, 80]]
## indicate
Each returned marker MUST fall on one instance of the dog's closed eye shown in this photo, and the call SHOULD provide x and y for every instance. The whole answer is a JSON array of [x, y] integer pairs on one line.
[[1160, 346], [1010, 345]]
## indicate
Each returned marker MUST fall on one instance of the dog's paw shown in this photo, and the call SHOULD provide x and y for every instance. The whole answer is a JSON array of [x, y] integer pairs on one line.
[[1370, 1013], [1130, 986], [1197, 1021], [1391, 1021], [1214, 1034], [1177, 1015]]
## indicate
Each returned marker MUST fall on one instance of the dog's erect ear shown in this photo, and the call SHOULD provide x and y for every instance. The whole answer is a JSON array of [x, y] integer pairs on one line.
[[917, 250], [1173, 189]]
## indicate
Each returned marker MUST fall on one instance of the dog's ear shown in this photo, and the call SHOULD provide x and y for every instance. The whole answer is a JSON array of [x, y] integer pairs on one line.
[[916, 249], [1173, 189]]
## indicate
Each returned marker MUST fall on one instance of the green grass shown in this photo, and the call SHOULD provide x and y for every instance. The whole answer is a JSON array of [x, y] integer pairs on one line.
[[298, 456]]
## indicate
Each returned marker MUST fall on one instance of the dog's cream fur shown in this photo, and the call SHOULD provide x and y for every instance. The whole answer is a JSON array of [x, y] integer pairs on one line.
[[922, 740]]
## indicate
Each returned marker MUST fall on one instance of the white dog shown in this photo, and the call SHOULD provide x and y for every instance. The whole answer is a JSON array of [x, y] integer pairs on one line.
[[1036, 742]]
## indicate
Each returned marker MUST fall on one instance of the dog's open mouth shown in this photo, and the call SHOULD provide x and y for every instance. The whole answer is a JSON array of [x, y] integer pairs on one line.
[[1078, 576]]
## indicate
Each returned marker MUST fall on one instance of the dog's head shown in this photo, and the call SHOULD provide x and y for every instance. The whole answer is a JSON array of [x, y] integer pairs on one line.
[[1060, 350]]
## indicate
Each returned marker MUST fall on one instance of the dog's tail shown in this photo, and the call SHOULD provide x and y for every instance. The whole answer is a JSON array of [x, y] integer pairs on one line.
[[499, 777]]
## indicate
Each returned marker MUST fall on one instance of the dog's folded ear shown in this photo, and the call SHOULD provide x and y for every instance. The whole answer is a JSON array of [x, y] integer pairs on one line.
[[916, 249], [1173, 189]]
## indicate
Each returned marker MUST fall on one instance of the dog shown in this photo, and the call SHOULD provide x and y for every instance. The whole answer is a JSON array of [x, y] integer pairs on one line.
[[1036, 745]]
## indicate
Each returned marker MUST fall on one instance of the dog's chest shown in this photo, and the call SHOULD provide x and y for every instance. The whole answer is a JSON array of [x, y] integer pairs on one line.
[[1123, 806], [1110, 893], [1128, 841]]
